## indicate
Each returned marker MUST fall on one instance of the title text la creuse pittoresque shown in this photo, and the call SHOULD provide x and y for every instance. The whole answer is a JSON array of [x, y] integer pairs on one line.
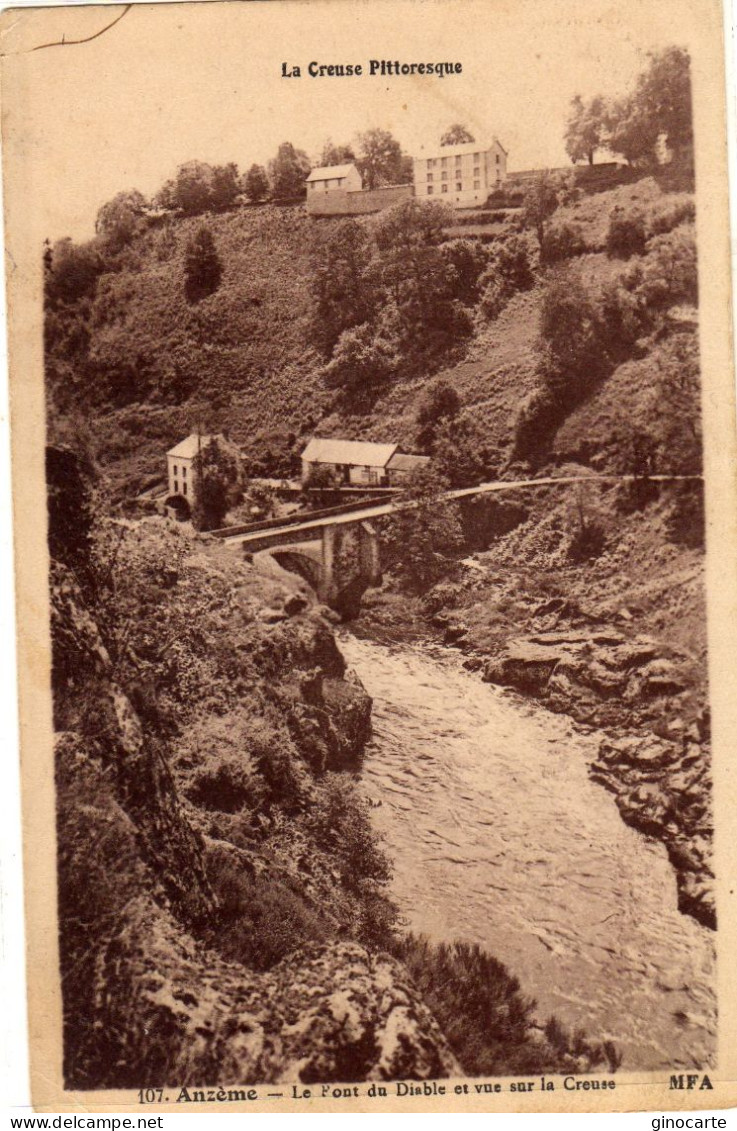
[[375, 68]]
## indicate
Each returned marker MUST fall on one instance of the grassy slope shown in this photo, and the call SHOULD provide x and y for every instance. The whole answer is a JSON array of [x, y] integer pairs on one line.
[[248, 342]]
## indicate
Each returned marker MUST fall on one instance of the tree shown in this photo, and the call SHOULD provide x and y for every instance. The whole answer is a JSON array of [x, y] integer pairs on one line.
[[462, 454], [379, 158], [440, 401], [539, 204], [202, 267], [363, 360], [322, 480], [120, 220], [224, 186], [658, 109], [457, 134], [421, 539], [72, 272], [586, 130], [191, 191], [415, 274], [336, 154], [572, 337], [216, 474], [342, 295], [256, 183], [288, 172], [468, 258]]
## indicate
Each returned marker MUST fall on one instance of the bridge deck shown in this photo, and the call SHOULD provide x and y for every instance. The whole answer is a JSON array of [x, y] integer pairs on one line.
[[287, 533]]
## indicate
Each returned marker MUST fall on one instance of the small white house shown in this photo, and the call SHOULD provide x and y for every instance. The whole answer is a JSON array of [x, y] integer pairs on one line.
[[460, 174], [330, 178], [361, 463], [181, 476], [357, 463]]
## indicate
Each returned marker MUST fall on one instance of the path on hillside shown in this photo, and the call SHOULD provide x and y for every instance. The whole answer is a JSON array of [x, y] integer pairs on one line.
[[378, 510]]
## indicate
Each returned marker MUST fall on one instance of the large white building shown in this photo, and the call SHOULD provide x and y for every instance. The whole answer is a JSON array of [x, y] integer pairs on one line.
[[460, 174]]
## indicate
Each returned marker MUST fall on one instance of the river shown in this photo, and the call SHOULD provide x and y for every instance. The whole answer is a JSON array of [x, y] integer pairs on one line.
[[498, 837]]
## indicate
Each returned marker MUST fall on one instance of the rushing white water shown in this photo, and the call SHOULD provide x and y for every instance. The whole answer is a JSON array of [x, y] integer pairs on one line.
[[499, 837]]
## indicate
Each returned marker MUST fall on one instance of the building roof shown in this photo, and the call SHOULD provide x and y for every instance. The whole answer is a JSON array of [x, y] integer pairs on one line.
[[187, 449], [357, 453], [458, 150], [402, 462], [331, 172]]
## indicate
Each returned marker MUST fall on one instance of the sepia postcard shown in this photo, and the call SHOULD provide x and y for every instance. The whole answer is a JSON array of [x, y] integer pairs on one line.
[[373, 440]]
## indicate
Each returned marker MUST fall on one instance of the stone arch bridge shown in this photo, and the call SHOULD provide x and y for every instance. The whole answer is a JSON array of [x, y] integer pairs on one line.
[[339, 554]]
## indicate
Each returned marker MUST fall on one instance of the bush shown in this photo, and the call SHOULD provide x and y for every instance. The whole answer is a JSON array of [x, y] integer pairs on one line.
[[461, 454], [260, 919], [626, 235], [202, 267], [339, 822], [669, 271], [564, 241], [685, 522], [440, 401], [468, 259], [537, 422], [587, 541], [487, 1021], [670, 215], [510, 270], [363, 359]]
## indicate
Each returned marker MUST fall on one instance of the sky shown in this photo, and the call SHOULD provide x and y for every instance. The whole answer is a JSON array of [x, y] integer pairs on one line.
[[175, 82]]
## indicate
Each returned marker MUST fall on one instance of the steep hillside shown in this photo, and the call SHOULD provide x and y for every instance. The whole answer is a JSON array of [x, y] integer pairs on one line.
[[147, 363], [222, 894]]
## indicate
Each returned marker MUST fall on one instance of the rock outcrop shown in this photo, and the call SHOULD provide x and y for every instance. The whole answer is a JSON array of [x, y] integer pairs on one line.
[[151, 992], [593, 673], [664, 789], [602, 677]]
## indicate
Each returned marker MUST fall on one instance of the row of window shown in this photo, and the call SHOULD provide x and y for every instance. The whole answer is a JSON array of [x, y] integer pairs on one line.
[[432, 162], [184, 471], [444, 176], [459, 187]]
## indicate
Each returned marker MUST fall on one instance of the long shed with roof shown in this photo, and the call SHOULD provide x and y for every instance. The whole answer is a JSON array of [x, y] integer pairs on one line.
[[360, 462]]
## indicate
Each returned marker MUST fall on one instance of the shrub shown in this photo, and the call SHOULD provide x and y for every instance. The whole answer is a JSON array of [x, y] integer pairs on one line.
[[669, 271], [202, 267], [537, 422], [461, 453], [338, 821], [587, 541], [626, 235], [363, 359], [564, 241], [440, 401], [487, 1021], [420, 541], [587, 529], [259, 919], [685, 522], [468, 259], [573, 360], [670, 215], [512, 262], [510, 270]]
